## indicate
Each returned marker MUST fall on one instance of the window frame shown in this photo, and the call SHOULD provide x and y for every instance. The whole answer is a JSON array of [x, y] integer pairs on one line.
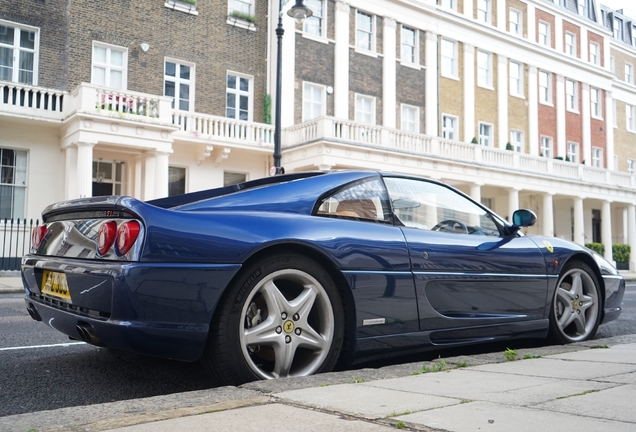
[[484, 15], [544, 39], [547, 146], [178, 80], [361, 97], [629, 73], [488, 70], [595, 53], [597, 157], [320, 16], [574, 153], [596, 104], [185, 178], [323, 106], [630, 118], [124, 68], [371, 33], [517, 145], [415, 122], [454, 129], [20, 173], [518, 24], [448, 4], [630, 166], [415, 60], [545, 97], [250, 11], [572, 99], [516, 83], [238, 92], [570, 48], [486, 140], [16, 48], [618, 29], [454, 73]]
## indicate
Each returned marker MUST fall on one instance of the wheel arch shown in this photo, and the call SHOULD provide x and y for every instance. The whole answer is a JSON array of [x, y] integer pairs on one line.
[[346, 296], [587, 259]]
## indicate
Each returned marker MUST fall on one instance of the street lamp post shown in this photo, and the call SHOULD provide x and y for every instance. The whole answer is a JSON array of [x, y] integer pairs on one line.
[[299, 12]]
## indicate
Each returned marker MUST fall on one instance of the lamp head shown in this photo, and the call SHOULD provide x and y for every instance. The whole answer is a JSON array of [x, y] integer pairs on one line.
[[299, 11]]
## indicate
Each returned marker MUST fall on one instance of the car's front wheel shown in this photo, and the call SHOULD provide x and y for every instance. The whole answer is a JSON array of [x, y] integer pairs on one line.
[[576, 306], [282, 317]]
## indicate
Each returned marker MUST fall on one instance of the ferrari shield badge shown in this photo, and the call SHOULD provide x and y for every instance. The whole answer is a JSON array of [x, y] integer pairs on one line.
[[548, 246]]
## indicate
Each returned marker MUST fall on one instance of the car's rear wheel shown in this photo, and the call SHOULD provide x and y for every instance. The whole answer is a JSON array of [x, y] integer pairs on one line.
[[282, 317], [576, 306]]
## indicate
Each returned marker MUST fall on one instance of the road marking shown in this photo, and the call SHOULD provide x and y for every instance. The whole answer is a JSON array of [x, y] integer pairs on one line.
[[43, 346]]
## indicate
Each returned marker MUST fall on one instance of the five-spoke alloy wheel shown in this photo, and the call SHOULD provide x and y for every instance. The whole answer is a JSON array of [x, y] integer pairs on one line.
[[282, 318], [576, 307]]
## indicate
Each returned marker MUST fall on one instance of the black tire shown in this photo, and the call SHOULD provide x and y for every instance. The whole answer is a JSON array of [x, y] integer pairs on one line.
[[577, 304], [281, 317]]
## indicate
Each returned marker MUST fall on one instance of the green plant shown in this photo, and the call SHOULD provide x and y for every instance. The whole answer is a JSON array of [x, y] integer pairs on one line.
[[358, 380], [604, 346], [621, 253], [192, 2], [243, 16], [596, 247], [435, 368], [463, 364], [510, 354], [567, 159], [531, 356], [558, 157], [400, 425], [509, 146], [267, 106], [474, 140]]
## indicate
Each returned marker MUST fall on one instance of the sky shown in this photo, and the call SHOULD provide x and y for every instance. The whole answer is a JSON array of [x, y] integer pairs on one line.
[[628, 6]]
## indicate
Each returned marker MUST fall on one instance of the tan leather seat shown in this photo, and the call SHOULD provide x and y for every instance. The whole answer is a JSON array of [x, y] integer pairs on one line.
[[358, 208]]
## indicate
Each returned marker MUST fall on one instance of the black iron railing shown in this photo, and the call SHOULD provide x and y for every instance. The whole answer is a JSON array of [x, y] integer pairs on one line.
[[16, 241]]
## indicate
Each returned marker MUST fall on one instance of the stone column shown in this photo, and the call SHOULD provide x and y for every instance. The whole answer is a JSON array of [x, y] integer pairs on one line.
[[609, 129], [431, 83], [587, 125], [161, 174], [138, 186], [560, 113], [84, 187], [150, 166], [606, 229], [389, 108], [579, 223], [341, 61], [469, 92], [631, 235], [70, 172], [547, 215], [502, 98], [475, 191], [533, 111], [513, 202]]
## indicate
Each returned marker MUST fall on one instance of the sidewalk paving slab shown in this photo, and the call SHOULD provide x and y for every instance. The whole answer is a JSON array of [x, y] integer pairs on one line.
[[490, 417]]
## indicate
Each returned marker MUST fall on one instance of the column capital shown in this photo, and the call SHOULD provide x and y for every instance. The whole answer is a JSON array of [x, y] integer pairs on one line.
[[431, 36], [469, 48], [389, 22], [586, 87], [342, 6], [502, 58]]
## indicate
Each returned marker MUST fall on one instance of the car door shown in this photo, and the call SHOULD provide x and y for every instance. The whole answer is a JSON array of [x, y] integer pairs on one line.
[[466, 272]]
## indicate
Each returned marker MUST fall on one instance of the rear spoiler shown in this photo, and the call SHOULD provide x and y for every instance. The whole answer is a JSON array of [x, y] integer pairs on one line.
[[111, 206]]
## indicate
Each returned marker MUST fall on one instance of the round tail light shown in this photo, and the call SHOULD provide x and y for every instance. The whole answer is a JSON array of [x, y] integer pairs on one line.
[[106, 237], [37, 235], [126, 236]]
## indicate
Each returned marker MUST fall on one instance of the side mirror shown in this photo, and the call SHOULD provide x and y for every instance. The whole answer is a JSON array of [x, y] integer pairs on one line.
[[523, 218]]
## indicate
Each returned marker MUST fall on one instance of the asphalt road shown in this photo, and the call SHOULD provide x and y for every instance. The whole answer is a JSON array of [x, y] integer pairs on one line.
[[40, 369]]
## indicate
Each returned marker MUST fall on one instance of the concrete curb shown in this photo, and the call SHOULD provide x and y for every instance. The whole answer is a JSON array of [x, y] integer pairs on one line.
[[138, 412]]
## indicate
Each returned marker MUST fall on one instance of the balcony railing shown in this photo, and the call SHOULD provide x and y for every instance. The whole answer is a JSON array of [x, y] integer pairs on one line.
[[28, 101], [336, 130], [214, 128]]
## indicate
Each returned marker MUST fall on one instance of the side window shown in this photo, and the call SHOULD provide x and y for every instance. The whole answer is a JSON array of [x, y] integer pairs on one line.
[[430, 206], [364, 200]]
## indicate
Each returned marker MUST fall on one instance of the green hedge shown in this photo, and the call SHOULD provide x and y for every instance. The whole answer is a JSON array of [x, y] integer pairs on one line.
[[620, 252]]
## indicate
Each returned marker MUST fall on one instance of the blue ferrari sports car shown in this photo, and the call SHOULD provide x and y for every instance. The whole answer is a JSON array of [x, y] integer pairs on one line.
[[302, 273]]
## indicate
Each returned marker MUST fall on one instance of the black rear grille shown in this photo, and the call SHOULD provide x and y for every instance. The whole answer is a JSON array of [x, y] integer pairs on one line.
[[60, 304]]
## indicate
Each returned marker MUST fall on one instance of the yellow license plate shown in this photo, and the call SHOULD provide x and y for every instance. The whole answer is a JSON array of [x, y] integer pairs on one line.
[[55, 285]]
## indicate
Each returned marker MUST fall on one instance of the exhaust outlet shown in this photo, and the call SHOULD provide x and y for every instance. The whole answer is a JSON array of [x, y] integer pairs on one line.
[[87, 333], [33, 312]]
